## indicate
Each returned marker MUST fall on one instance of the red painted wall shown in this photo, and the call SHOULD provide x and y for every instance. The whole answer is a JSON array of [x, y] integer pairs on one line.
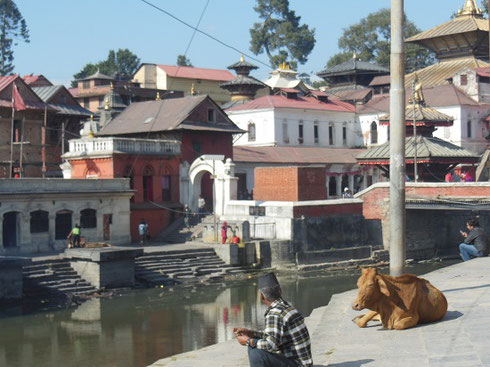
[[210, 143], [326, 210]]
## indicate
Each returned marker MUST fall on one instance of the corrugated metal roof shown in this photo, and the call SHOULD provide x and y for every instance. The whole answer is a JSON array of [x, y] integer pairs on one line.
[[380, 80], [243, 80], [428, 149], [438, 74], [455, 26], [350, 66], [64, 109], [6, 80], [423, 114], [197, 73], [47, 92], [295, 155], [165, 115]]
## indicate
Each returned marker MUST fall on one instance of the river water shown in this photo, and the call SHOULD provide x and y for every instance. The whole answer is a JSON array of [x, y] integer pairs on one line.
[[141, 326]]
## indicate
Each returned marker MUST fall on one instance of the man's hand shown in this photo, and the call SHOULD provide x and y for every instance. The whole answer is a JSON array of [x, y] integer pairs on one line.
[[238, 331], [464, 234], [242, 339]]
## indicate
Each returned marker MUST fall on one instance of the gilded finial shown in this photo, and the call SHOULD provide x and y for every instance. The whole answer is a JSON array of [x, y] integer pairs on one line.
[[284, 66], [242, 59], [418, 94], [92, 117], [158, 97], [193, 90], [91, 133], [107, 107], [470, 8], [354, 55], [112, 86]]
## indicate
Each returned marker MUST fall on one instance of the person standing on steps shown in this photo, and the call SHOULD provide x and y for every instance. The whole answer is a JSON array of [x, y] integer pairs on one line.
[[201, 204], [187, 214], [143, 231], [224, 232]]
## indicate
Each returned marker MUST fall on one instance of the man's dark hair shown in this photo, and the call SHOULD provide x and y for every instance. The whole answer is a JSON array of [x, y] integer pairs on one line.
[[271, 293], [473, 223]]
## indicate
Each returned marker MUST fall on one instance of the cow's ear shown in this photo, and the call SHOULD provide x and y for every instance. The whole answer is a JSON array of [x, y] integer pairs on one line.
[[383, 287]]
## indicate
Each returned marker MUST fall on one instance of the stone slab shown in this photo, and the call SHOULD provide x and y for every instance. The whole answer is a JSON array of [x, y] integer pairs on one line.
[[460, 339], [103, 254], [11, 280]]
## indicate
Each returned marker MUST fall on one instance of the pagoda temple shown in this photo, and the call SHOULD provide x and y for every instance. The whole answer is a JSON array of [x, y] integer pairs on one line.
[[461, 43], [434, 157], [244, 87]]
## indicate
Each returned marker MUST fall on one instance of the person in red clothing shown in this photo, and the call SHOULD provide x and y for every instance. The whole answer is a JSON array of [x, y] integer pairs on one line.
[[449, 177], [224, 230]]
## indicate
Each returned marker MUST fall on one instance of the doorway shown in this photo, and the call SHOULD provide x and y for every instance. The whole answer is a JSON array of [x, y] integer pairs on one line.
[[63, 224], [10, 229]]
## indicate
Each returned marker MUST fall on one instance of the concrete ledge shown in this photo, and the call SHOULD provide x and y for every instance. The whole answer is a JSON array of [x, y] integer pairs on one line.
[[105, 267], [11, 280], [333, 255]]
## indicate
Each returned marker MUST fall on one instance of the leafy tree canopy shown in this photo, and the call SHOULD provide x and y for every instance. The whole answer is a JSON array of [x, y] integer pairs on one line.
[[12, 27], [121, 64], [371, 38], [183, 61], [280, 34]]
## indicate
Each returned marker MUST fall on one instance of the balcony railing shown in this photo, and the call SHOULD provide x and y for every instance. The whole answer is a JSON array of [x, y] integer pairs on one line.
[[113, 145]]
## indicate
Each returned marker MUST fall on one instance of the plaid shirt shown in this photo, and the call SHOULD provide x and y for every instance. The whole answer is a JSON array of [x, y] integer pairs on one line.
[[285, 333]]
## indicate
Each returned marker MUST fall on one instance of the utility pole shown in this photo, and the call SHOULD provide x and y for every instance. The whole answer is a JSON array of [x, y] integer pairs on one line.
[[21, 154], [415, 173], [62, 138], [397, 141], [43, 141]]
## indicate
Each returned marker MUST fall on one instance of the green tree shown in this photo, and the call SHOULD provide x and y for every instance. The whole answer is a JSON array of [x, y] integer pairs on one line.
[[484, 5], [371, 39], [280, 34], [183, 61], [121, 64], [12, 27]]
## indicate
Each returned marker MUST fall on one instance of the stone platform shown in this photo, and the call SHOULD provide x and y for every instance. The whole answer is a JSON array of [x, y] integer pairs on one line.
[[11, 281], [460, 340]]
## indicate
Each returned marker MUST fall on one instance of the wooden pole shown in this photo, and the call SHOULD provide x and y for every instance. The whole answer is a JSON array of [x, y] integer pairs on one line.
[[12, 139], [43, 140], [21, 150]]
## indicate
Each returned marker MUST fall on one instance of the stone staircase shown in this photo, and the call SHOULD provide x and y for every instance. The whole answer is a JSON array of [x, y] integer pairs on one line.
[[178, 266], [52, 278], [177, 232]]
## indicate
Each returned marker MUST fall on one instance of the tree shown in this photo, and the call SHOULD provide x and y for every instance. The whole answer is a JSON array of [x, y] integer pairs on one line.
[[371, 39], [484, 4], [183, 61], [12, 27], [121, 65], [280, 34]]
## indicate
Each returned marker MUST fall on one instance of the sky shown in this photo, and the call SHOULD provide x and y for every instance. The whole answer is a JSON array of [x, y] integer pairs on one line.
[[67, 34]]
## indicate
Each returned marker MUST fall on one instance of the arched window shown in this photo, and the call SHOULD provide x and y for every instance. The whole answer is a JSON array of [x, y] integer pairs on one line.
[[148, 184], [374, 133], [39, 221], [251, 131], [88, 218], [166, 185], [468, 129], [331, 132]]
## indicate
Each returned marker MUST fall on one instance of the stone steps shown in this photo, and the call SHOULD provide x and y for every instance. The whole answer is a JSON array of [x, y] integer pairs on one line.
[[191, 265], [54, 277]]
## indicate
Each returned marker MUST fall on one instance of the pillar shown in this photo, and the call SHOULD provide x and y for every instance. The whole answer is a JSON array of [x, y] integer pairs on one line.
[[338, 181]]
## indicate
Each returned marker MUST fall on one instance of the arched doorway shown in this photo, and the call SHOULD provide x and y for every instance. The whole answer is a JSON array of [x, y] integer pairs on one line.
[[374, 133], [63, 224], [11, 233]]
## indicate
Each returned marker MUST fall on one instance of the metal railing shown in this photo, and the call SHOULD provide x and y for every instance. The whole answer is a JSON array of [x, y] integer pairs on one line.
[[266, 231]]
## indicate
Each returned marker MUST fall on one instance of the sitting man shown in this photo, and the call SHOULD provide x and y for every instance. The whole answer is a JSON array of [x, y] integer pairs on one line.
[[475, 243], [285, 340]]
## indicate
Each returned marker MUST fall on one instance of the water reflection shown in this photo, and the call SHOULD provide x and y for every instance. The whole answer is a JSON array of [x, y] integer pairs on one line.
[[142, 326]]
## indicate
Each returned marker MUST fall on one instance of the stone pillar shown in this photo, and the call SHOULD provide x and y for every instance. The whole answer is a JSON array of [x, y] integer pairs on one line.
[[351, 183], [338, 181], [184, 185], [100, 225], [2, 248], [25, 238], [52, 229], [75, 218]]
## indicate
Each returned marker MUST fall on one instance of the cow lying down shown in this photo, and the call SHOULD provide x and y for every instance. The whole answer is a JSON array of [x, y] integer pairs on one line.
[[398, 302]]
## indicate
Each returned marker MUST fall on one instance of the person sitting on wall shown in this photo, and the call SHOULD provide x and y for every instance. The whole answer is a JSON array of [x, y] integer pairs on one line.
[[347, 194], [475, 243], [285, 341], [74, 235]]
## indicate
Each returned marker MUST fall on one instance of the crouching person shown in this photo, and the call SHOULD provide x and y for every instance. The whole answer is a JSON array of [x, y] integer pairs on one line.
[[285, 341]]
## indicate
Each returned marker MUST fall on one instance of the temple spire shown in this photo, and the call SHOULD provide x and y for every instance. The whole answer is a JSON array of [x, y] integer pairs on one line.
[[470, 8]]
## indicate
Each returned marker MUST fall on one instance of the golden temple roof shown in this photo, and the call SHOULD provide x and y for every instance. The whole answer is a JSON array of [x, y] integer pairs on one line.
[[438, 74]]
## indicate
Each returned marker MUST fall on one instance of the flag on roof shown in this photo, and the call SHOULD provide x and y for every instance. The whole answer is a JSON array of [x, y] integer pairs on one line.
[[17, 102]]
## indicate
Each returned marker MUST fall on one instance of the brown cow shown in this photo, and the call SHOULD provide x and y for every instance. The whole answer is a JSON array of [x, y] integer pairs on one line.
[[398, 302]]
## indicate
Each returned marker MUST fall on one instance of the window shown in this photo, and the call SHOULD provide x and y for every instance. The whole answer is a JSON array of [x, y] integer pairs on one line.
[[86, 102], [484, 79], [17, 131], [197, 148], [39, 221], [285, 134], [468, 129], [211, 115], [332, 186], [148, 184], [300, 132], [88, 218], [344, 135], [166, 188], [330, 135], [464, 79], [251, 131], [315, 132], [374, 133], [53, 136], [86, 84]]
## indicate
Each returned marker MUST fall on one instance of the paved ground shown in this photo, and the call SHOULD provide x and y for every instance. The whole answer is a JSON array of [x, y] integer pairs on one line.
[[461, 339]]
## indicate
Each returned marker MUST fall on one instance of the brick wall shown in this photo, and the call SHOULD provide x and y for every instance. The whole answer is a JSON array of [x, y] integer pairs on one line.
[[289, 183]]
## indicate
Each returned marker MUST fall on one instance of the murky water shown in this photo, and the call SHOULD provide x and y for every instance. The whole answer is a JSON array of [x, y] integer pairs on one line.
[[141, 326]]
